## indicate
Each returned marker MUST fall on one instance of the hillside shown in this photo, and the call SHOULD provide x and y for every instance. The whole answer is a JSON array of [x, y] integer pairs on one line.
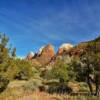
[[46, 56], [72, 69]]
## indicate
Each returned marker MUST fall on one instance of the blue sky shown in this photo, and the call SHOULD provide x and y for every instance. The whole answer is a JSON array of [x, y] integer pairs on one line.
[[31, 24]]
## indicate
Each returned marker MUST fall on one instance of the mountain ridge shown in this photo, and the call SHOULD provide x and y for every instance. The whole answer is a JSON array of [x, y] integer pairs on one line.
[[47, 54]]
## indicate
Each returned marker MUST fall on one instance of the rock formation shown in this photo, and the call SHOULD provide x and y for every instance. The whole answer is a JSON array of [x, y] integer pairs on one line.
[[48, 51], [44, 56], [30, 56], [64, 47]]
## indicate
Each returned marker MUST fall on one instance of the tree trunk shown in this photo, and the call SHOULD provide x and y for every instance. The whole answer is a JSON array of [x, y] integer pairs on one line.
[[97, 89], [97, 82], [90, 84]]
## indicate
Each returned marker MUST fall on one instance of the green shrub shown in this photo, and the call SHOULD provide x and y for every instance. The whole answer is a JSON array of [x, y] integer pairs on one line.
[[62, 71], [3, 83], [83, 87], [32, 85], [24, 70]]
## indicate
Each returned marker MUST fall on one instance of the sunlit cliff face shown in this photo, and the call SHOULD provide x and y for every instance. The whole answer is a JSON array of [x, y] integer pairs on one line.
[[40, 50], [66, 46], [30, 55]]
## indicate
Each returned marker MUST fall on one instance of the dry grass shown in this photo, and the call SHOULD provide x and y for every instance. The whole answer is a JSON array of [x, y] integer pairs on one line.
[[16, 92], [45, 96], [42, 96], [19, 94]]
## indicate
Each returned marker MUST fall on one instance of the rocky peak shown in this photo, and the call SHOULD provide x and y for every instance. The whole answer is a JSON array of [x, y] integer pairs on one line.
[[40, 50], [64, 47], [30, 55], [48, 51]]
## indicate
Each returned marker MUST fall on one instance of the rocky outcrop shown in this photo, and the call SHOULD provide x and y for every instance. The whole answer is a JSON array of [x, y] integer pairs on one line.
[[30, 56], [48, 51], [44, 56], [76, 52], [63, 48]]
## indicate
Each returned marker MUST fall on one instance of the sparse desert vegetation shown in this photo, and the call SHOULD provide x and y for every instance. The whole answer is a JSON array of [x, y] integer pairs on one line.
[[68, 75], [49, 49], [18, 94]]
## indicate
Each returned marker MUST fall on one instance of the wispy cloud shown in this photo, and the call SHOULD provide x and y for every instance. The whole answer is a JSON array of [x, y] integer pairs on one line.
[[33, 23]]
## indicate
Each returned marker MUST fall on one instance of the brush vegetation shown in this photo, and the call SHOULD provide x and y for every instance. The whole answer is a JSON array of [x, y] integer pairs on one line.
[[18, 77]]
